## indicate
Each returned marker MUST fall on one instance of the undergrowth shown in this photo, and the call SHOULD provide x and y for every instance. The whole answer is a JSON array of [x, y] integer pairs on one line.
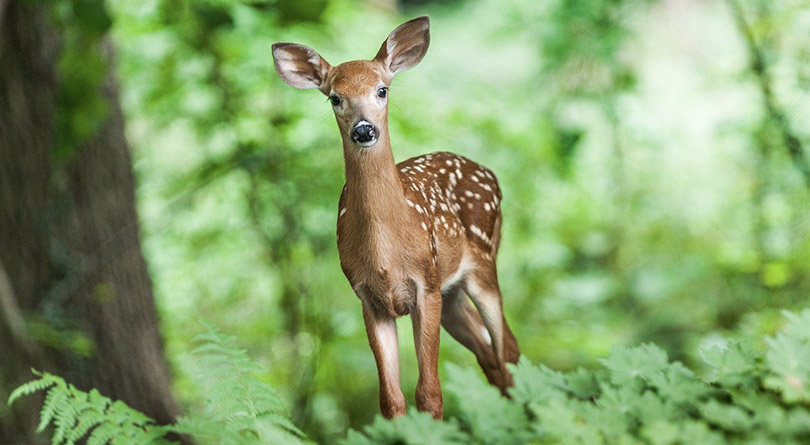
[[239, 407], [638, 396]]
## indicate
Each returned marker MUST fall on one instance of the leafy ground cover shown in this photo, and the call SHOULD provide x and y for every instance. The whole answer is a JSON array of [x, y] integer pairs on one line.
[[743, 395]]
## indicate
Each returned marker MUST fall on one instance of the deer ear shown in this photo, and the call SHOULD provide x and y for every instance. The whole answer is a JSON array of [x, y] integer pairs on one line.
[[406, 46], [300, 66]]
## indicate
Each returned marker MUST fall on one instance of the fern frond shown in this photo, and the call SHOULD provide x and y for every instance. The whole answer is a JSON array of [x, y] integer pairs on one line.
[[243, 405], [78, 416], [240, 408], [44, 382], [55, 398]]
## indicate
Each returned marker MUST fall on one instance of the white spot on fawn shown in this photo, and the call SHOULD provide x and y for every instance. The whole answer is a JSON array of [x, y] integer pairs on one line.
[[342, 211], [479, 233]]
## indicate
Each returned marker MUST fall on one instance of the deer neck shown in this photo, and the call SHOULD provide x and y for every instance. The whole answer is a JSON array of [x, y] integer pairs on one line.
[[375, 197]]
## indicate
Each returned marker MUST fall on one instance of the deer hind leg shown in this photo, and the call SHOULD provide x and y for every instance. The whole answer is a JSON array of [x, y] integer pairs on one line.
[[382, 337], [462, 322], [482, 287]]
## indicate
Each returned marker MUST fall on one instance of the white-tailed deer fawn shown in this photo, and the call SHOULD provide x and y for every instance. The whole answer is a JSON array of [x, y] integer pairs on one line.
[[413, 237]]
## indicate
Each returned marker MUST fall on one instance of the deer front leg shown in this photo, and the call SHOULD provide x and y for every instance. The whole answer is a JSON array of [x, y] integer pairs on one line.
[[426, 319], [382, 337]]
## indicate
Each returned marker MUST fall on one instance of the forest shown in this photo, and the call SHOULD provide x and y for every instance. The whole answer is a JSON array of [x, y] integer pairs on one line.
[[164, 194]]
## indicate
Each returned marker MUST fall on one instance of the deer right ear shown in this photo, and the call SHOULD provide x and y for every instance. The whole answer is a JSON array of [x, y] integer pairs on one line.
[[406, 46], [300, 66]]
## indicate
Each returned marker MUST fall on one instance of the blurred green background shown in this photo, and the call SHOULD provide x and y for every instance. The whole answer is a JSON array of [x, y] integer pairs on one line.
[[653, 157]]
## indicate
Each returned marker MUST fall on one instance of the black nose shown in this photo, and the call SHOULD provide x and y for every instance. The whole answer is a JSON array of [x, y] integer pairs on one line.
[[364, 132]]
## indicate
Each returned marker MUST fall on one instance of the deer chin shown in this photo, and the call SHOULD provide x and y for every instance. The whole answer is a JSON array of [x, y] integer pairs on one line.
[[366, 145]]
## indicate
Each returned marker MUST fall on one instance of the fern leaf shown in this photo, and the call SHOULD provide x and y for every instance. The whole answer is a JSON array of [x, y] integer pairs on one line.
[[45, 381], [103, 434], [53, 400], [89, 417], [81, 428], [243, 405]]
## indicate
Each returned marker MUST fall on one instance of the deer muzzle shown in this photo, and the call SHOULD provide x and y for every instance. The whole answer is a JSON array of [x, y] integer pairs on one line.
[[364, 134]]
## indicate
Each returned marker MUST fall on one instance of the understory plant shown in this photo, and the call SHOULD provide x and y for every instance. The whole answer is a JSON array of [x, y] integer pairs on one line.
[[741, 395]]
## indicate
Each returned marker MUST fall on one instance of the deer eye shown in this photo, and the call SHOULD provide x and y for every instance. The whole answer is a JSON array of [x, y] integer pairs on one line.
[[335, 100], [382, 92]]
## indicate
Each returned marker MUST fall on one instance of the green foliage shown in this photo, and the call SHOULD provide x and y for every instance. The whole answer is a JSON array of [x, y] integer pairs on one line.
[[788, 359], [239, 409], [417, 428], [476, 408], [88, 417], [640, 396]]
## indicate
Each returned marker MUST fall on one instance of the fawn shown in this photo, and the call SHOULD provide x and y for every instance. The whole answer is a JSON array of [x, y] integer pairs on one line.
[[413, 237]]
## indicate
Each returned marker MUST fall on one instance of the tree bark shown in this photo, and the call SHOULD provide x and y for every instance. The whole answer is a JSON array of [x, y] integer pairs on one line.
[[70, 256]]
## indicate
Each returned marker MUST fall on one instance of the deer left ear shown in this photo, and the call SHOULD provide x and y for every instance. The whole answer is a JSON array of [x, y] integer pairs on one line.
[[406, 46], [300, 66]]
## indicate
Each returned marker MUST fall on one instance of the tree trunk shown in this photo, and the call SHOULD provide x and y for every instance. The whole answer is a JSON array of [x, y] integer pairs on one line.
[[70, 256]]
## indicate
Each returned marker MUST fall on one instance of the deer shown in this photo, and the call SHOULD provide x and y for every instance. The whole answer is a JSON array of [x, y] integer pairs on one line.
[[419, 237]]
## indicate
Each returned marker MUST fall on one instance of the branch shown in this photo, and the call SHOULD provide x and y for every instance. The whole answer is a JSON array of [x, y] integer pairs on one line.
[[775, 114], [12, 316]]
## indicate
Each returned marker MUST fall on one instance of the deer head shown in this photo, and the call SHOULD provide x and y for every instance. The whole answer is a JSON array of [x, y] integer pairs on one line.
[[357, 90]]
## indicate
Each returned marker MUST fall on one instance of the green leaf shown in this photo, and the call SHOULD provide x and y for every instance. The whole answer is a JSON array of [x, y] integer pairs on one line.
[[536, 383], [728, 417], [661, 432], [243, 406], [788, 362], [492, 418], [414, 428], [732, 365], [635, 365], [582, 383], [557, 422]]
